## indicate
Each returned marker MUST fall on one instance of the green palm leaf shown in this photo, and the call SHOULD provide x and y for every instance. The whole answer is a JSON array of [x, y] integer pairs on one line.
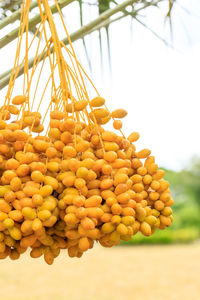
[[108, 14]]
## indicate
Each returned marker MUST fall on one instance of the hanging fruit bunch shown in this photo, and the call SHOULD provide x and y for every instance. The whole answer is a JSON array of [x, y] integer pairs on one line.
[[74, 182]]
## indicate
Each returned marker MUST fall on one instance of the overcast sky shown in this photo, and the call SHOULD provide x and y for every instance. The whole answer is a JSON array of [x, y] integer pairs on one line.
[[159, 86]]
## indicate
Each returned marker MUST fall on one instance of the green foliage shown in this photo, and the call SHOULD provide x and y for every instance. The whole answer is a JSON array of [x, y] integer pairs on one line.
[[187, 181], [167, 236]]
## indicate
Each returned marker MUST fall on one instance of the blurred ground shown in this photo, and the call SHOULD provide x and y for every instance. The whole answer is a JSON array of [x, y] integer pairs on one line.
[[121, 273]]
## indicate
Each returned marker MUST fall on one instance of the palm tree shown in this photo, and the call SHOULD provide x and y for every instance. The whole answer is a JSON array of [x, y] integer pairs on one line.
[[108, 12]]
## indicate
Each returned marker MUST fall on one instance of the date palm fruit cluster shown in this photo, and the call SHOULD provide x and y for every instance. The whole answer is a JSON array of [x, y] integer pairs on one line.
[[76, 185]]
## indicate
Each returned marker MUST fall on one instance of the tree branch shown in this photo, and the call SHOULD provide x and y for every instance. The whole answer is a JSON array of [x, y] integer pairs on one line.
[[32, 23], [15, 16], [80, 33]]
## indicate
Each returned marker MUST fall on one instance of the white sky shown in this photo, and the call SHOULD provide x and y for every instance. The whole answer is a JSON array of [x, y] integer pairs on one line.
[[157, 85]]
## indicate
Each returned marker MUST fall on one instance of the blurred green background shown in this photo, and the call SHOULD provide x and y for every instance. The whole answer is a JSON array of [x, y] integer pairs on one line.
[[185, 188]]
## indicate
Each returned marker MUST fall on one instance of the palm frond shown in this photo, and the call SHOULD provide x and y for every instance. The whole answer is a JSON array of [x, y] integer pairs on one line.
[[83, 40], [108, 12], [104, 5], [9, 7]]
